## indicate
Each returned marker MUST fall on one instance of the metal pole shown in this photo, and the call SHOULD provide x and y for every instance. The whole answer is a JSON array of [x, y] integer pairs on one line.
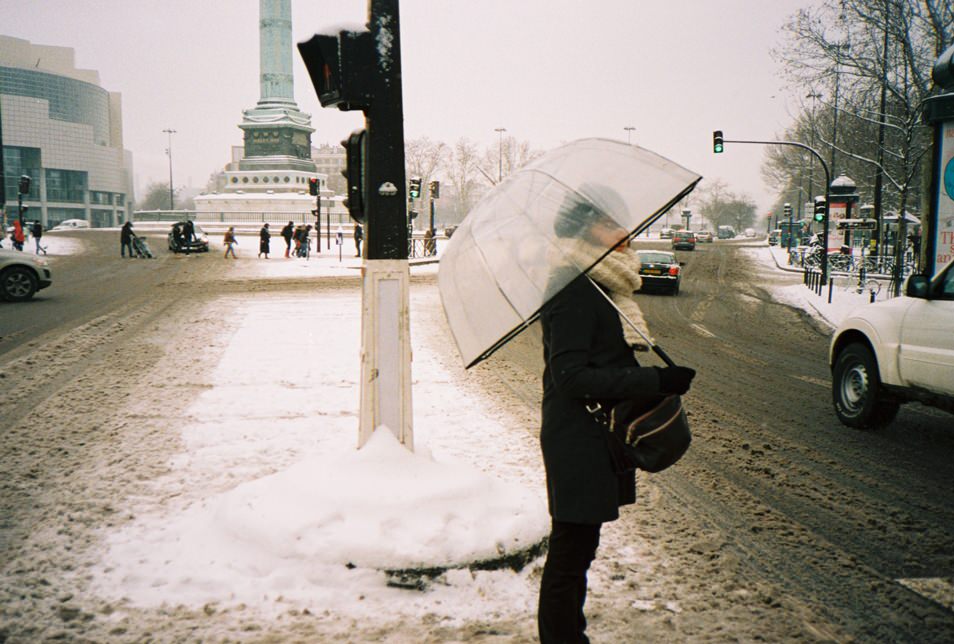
[[824, 257], [169, 151], [879, 176], [500, 131], [629, 131]]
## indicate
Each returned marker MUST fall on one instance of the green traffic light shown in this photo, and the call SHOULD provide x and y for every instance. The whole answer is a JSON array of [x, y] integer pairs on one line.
[[717, 148], [717, 141]]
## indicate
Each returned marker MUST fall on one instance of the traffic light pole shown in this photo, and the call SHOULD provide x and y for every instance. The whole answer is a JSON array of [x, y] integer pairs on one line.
[[824, 258], [361, 70]]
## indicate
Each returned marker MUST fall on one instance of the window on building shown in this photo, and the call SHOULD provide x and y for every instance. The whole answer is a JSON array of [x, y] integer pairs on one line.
[[65, 185], [19, 161], [99, 197]]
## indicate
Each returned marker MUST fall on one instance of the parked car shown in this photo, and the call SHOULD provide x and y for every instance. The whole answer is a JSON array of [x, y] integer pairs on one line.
[[71, 224], [22, 275], [666, 233], [703, 237], [888, 353], [178, 244], [683, 240], [660, 271], [774, 237]]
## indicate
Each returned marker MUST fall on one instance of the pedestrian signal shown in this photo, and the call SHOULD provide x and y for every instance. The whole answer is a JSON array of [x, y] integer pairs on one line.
[[820, 213], [414, 190], [356, 152]]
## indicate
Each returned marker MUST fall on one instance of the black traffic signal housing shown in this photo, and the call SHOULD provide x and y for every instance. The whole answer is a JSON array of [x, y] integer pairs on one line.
[[717, 142], [340, 68], [414, 188], [24, 185], [787, 209], [819, 214], [313, 186], [355, 173], [435, 188]]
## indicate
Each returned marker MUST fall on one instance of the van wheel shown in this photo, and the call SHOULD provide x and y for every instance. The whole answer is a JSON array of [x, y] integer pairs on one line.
[[17, 284], [859, 399]]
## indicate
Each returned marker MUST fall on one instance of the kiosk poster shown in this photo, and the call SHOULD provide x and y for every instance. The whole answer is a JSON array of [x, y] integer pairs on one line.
[[836, 236], [944, 242]]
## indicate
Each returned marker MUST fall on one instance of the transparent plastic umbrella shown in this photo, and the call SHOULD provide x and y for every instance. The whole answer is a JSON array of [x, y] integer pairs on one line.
[[516, 249]]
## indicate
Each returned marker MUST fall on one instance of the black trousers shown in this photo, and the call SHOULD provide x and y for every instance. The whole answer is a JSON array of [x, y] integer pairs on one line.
[[560, 618]]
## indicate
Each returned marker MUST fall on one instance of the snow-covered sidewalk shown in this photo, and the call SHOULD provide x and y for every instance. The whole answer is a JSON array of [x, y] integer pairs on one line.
[[274, 508]]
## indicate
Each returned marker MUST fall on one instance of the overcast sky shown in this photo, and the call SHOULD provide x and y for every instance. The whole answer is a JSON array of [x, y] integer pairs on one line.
[[548, 71]]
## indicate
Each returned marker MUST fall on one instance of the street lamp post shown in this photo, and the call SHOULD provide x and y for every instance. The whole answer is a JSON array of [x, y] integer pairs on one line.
[[169, 152], [500, 131], [629, 133]]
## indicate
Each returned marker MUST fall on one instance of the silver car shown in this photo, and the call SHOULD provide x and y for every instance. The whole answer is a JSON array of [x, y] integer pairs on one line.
[[22, 275]]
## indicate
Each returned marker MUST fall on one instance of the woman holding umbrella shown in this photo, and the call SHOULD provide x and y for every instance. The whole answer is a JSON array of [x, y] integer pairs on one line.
[[588, 359]]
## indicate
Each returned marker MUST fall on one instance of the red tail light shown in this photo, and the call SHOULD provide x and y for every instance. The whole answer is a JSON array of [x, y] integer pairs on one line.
[[673, 270]]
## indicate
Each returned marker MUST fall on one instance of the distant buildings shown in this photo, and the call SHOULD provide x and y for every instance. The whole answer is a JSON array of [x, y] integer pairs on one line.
[[64, 131]]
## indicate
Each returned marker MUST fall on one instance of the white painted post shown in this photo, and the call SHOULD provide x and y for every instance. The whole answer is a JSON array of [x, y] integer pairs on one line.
[[386, 351]]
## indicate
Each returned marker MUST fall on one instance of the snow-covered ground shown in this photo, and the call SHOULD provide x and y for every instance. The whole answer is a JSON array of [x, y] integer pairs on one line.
[[277, 505], [266, 506]]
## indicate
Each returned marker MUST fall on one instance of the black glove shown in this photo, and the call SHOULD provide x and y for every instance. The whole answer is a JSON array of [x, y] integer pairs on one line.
[[675, 380]]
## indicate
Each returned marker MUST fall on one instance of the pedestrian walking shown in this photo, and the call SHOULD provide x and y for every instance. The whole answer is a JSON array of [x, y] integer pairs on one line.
[[287, 233], [17, 236], [264, 241], [37, 232], [126, 235], [230, 242], [587, 358], [358, 237]]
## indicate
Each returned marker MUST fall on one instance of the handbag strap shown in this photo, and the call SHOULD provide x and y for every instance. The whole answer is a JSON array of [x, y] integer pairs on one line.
[[652, 345]]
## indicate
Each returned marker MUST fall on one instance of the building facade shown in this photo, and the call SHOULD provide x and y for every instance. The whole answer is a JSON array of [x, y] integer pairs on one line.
[[64, 131]]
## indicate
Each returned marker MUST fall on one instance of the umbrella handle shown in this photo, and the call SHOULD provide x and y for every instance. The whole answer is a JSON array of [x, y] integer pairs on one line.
[[652, 345]]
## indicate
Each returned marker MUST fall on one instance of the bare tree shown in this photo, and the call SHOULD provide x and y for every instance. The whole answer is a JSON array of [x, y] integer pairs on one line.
[[721, 207], [156, 197], [423, 157], [464, 176], [868, 62]]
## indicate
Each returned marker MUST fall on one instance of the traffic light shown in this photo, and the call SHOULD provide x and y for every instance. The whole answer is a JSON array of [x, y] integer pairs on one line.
[[787, 208], [412, 214], [355, 173], [819, 209], [414, 190], [435, 187], [341, 68], [24, 186], [315, 213], [717, 142], [313, 186]]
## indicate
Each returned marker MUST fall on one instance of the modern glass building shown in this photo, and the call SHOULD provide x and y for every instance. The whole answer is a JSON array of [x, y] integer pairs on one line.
[[64, 131]]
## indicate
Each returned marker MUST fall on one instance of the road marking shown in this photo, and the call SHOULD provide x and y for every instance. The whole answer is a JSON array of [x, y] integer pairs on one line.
[[701, 330], [937, 589], [813, 381]]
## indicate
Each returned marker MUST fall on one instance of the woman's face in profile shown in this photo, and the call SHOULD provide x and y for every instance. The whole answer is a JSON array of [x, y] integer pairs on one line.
[[607, 233]]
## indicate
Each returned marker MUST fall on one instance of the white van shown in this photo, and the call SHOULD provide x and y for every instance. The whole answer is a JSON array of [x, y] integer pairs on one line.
[[71, 224]]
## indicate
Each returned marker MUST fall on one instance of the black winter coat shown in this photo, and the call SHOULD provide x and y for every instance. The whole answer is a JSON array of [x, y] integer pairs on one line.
[[586, 359]]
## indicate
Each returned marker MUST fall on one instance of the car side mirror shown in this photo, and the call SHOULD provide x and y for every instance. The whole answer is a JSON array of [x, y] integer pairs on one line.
[[917, 286]]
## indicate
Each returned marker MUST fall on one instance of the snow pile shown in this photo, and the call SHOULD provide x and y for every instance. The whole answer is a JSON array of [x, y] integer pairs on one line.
[[268, 501]]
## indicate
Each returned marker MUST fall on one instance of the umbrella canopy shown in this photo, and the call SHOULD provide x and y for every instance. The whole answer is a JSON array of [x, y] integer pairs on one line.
[[522, 243]]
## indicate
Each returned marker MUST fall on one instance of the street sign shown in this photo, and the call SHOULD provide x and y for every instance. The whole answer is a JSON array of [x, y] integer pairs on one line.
[[857, 224]]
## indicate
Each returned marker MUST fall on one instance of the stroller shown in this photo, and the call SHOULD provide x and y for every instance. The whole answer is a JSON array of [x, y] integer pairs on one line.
[[141, 248]]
